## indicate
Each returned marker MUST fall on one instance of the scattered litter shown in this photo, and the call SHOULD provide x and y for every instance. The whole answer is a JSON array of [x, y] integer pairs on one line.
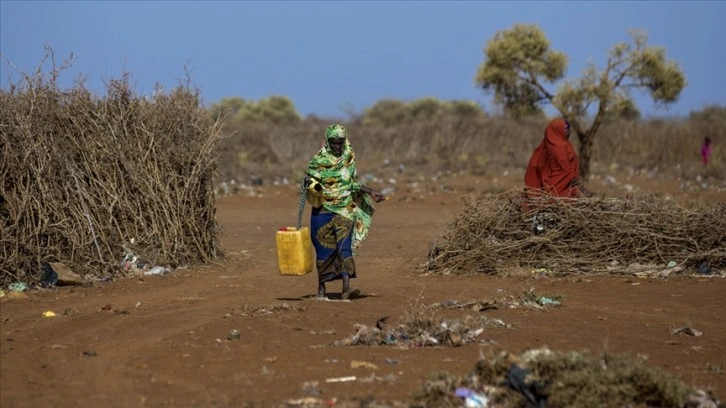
[[544, 301], [421, 333], [478, 305], [132, 263], [49, 313], [702, 399], [377, 378], [671, 264], [233, 335], [687, 330], [247, 310], [704, 269], [157, 270], [311, 388], [472, 399], [65, 275], [18, 286], [49, 276], [531, 391], [541, 271], [305, 402], [341, 379], [363, 364]]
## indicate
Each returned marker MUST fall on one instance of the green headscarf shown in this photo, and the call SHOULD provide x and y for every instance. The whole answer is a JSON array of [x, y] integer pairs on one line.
[[335, 131], [341, 189]]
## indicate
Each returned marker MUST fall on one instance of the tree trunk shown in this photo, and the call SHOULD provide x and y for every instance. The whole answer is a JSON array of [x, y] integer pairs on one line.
[[586, 143]]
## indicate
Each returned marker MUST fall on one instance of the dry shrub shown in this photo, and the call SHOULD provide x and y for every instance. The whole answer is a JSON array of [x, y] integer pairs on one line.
[[450, 143], [560, 379], [479, 145], [669, 146], [83, 176], [597, 235]]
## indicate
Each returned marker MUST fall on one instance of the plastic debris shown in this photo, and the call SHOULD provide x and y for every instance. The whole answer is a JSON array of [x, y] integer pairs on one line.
[[49, 276], [341, 379], [65, 275], [531, 391], [49, 313], [134, 264], [157, 270], [543, 271], [472, 399], [544, 301], [18, 287], [233, 335], [305, 402], [704, 269], [687, 330], [363, 364]]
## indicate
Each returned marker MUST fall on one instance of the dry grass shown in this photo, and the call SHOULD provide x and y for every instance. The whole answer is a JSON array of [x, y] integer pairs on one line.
[[559, 379], [481, 146]]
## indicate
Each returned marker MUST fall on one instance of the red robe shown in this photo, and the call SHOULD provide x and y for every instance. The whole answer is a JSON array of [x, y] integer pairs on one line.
[[554, 164]]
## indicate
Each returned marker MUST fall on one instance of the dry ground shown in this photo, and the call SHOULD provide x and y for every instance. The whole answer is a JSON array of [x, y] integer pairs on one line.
[[162, 340]]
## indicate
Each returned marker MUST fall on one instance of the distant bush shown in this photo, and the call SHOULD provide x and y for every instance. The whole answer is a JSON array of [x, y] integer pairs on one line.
[[393, 112], [712, 114], [276, 109], [476, 143]]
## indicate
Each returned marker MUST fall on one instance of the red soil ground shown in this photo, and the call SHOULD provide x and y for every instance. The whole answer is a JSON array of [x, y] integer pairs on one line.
[[163, 340]]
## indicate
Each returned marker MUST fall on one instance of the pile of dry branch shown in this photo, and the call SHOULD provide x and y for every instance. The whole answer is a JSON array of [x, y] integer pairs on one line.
[[494, 233], [84, 177], [542, 377]]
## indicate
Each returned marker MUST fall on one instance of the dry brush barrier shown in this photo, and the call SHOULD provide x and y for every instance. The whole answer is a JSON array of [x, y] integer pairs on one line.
[[494, 234], [84, 178]]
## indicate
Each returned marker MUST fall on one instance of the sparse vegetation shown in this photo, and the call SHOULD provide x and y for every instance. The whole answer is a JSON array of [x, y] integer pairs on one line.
[[520, 65]]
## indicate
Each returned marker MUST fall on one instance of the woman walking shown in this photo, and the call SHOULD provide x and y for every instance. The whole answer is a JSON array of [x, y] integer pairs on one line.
[[341, 214]]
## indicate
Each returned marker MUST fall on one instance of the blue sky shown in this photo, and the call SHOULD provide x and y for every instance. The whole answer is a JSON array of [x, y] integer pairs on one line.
[[330, 56]]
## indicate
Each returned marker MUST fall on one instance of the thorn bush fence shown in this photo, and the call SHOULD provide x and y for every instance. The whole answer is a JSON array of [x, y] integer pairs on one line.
[[86, 177]]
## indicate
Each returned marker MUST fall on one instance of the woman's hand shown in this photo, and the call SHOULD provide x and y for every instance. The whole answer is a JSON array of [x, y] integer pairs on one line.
[[375, 195]]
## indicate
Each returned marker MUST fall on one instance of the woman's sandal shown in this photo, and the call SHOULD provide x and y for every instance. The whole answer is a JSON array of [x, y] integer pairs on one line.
[[350, 293]]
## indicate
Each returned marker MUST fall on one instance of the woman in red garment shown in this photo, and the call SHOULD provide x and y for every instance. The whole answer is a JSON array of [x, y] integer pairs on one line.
[[554, 168]]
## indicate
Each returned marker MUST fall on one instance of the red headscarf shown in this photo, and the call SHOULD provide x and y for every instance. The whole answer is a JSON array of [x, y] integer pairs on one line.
[[554, 164]]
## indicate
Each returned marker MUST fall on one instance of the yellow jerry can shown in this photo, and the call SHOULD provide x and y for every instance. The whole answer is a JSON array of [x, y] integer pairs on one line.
[[294, 251]]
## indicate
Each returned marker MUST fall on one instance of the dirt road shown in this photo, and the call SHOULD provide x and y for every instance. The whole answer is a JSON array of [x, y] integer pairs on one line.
[[162, 341]]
